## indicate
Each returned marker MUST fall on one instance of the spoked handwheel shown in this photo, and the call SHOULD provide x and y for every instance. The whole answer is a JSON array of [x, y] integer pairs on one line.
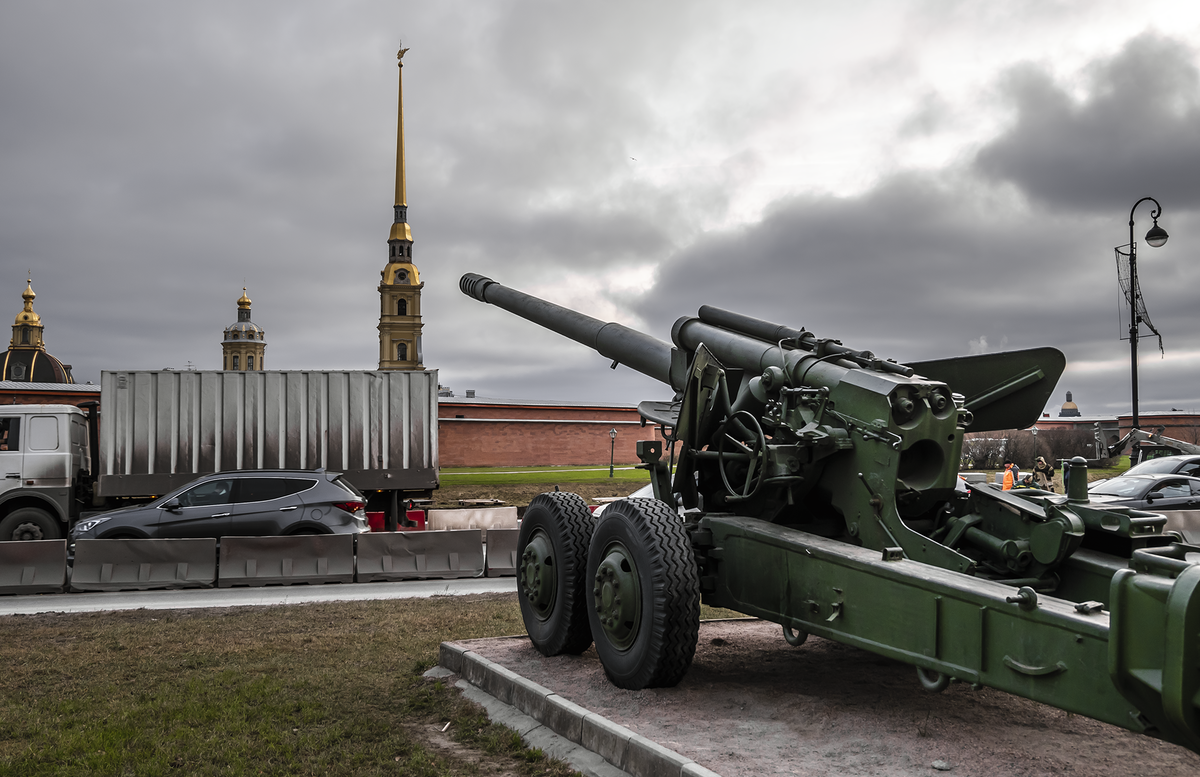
[[551, 583], [645, 592], [752, 455]]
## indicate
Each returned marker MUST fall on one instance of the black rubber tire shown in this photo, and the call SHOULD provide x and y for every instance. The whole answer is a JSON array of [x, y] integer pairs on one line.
[[559, 625], [662, 643], [29, 523]]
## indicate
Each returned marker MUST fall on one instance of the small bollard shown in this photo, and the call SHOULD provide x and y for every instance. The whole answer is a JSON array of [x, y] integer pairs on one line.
[[1077, 482]]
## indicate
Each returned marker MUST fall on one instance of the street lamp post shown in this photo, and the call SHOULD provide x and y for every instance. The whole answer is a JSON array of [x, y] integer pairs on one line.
[[1156, 237], [612, 453]]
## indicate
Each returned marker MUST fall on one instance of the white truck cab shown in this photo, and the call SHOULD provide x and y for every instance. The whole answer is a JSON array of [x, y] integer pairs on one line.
[[44, 459]]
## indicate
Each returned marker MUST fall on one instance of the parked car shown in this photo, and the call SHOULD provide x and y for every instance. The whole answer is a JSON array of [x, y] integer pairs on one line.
[[1168, 465], [247, 503], [1157, 492]]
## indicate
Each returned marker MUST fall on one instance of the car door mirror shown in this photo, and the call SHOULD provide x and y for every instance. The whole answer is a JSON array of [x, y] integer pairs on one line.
[[173, 506], [1153, 495]]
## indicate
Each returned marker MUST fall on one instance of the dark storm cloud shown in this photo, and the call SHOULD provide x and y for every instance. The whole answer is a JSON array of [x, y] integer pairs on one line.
[[1132, 132], [155, 158], [919, 266], [946, 262], [159, 158]]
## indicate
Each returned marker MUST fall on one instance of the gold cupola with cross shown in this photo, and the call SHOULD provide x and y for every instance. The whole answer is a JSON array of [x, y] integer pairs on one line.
[[26, 359], [243, 346], [400, 284]]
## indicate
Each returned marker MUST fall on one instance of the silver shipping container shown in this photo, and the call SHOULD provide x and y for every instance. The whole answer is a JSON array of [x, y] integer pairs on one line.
[[160, 430]]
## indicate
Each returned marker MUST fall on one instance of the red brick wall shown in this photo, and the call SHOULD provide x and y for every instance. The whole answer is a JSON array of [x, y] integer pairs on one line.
[[30, 397], [532, 435]]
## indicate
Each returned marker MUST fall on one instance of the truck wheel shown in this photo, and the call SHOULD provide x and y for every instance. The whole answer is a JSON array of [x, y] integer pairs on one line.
[[646, 594], [551, 582], [29, 523]]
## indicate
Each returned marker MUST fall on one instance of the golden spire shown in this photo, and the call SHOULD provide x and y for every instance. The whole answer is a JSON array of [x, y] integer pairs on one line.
[[401, 192], [243, 301], [400, 229], [27, 316]]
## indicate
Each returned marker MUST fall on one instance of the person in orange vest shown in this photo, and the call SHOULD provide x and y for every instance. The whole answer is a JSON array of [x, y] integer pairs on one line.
[[1008, 475]]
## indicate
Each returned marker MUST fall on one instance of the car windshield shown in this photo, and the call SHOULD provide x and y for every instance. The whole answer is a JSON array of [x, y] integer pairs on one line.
[[1123, 486], [1166, 466]]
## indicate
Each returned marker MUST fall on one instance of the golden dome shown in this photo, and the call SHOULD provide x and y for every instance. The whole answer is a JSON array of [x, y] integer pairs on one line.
[[26, 358], [1069, 408], [401, 274], [243, 301], [27, 316]]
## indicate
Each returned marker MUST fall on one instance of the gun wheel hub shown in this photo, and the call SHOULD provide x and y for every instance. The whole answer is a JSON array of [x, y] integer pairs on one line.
[[618, 596], [538, 576]]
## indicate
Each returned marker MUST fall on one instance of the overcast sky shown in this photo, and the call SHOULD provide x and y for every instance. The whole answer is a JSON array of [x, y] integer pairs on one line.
[[921, 179]]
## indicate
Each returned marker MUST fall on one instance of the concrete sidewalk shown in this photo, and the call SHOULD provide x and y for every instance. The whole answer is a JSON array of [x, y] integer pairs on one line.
[[243, 597]]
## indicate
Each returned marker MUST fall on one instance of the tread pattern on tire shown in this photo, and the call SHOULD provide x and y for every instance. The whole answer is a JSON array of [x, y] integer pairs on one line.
[[675, 584], [575, 526]]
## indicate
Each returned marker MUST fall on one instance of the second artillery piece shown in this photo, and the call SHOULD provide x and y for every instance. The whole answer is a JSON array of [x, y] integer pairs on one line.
[[816, 486]]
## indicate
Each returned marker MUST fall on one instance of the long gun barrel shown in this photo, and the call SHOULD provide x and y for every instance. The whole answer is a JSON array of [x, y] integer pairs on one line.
[[786, 336], [648, 355], [739, 340]]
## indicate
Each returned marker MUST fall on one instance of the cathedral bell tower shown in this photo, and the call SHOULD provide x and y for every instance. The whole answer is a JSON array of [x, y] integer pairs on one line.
[[400, 285], [243, 347]]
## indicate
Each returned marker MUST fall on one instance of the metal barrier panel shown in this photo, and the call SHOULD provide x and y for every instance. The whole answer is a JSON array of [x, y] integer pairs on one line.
[[502, 552], [33, 567], [253, 561], [165, 428], [420, 555], [482, 518], [140, 565]]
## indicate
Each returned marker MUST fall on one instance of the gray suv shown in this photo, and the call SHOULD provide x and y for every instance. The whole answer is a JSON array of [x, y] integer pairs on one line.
[[247, 503]]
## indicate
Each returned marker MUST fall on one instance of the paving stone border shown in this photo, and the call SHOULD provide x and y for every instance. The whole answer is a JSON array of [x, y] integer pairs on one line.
[[617, 745]]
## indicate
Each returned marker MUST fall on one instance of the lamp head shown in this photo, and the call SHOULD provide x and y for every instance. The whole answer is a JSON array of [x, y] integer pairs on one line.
[[612, 433], [1157, 236]]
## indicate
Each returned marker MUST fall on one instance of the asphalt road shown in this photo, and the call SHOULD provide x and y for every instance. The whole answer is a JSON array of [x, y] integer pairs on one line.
[[243, 597]]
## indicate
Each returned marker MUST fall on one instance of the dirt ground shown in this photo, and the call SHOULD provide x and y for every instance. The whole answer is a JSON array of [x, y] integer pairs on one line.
[[520, 495], [752, 706]]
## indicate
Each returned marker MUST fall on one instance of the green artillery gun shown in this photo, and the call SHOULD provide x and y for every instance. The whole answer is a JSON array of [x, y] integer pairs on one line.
[[816, 486]]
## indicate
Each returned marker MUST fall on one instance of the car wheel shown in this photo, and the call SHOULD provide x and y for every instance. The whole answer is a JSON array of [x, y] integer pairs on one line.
[[305, 532], [646, 594], [29, 523], [551, 579]]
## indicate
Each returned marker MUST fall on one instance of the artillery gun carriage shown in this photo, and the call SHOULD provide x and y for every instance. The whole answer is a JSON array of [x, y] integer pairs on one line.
[[816, 486]]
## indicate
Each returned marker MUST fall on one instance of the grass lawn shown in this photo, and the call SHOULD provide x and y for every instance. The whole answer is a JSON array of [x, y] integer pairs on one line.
[[322, 689], [1120, 464], [314, 689]]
